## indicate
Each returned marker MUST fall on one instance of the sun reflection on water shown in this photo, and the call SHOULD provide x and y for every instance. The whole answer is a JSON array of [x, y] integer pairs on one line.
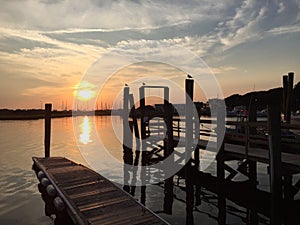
[[85, 131]]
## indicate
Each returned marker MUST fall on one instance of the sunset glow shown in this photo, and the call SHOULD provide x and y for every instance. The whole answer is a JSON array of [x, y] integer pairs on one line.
[[43, 57], [85, 95]]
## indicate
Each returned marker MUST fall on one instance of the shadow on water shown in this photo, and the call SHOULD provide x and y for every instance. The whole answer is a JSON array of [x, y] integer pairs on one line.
[[209, 200], [207, 204]]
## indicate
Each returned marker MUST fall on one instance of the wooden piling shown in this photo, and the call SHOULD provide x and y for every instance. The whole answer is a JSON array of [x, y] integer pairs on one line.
[[275, 162], [221, 195], [289, 96], [168, 150], [252, 170], [189, 88], [285, 91], [197, 155], [143, 124], [48, 108], [127, 140], [221, 169], [252, 165]]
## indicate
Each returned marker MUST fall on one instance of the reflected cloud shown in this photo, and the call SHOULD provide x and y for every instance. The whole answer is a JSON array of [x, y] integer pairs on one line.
[[85, 131]]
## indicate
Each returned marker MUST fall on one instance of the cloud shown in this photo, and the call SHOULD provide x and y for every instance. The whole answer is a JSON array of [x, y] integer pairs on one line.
[[285, 29], [223, 69], [244, 25], [94, 14], [57, 41]]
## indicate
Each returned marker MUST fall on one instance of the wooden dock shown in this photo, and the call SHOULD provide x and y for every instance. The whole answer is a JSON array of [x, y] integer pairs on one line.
[[88, 197]]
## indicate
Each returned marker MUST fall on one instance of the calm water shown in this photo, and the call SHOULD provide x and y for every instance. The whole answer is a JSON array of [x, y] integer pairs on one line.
[[21, 202]]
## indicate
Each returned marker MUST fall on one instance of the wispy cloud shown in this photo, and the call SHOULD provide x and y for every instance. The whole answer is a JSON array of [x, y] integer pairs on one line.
[[223, 69], [57, 41], [285, 30]]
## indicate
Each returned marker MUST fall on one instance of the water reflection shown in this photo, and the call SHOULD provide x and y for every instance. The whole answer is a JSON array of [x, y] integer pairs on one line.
[[85, 130]]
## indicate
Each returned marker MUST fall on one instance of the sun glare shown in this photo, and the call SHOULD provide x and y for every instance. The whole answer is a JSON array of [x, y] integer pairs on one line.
[[85, 94], [86, 129]]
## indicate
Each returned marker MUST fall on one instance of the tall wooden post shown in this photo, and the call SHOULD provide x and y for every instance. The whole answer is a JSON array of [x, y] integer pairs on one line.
[[143, 144], [189, 88], [275, 162], [48, 108], [127, 139], [289, 96], [252, 165], [143, 123], [251, 213], [285, 92], [221, 169], [168, 150], [197, 156]]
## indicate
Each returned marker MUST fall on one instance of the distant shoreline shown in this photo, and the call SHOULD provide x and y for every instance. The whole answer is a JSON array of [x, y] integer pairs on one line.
[[40, 114]]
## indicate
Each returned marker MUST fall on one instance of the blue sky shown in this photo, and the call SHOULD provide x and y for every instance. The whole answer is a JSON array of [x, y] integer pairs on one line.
[[47, 46]]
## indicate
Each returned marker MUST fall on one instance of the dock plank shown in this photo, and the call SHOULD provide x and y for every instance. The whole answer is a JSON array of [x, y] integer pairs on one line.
[[92, 199]]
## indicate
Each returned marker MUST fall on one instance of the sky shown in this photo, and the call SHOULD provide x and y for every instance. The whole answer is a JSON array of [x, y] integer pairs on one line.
[[47, 47]]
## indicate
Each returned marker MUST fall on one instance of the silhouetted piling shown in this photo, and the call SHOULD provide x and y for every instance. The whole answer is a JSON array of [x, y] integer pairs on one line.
[[189, 88], [289, 96], [48, 108], [275, 162], [221, 169], [127, 140], [168, 150], [285, 93]]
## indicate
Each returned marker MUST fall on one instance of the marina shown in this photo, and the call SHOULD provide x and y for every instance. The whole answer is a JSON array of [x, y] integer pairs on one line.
[[250, 146]]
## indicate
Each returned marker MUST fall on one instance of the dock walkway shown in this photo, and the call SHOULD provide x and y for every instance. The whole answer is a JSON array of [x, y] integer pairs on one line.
[[90, 198]]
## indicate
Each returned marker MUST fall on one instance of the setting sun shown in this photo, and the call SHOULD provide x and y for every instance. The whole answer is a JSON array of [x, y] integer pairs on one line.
[[85, 94]]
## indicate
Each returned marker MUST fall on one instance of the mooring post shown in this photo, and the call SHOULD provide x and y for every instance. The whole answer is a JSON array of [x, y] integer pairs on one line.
[[284, 97], [221, 168], [289, 96], [189, 89], [127, 139], [48, 108], [143, 123], [197, 155], [252, 216], [275, 162], [168, 150]]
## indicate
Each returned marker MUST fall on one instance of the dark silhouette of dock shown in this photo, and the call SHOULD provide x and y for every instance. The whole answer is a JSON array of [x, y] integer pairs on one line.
[[157, 138]]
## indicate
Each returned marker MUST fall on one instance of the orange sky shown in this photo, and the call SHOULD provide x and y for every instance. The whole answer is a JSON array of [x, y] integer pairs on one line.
[[248, 45]]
